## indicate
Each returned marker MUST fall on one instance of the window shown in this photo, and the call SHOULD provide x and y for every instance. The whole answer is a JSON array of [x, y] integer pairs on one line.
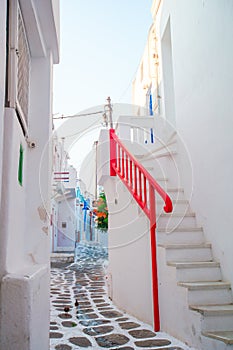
[[63, 224], [18, 65]]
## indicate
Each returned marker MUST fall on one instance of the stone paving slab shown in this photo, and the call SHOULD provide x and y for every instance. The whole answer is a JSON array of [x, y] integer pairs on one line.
[[79, 319]]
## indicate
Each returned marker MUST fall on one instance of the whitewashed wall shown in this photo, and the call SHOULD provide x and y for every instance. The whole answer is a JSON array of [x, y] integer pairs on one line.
[[142, 79], [53, 226], [2, 80], [196, 41], [148, 76], [72, 177], [24, 238], [88, 172]]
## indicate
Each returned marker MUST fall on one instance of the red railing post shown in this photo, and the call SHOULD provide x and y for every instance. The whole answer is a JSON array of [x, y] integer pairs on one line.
[[135, 180], [130, 172], [123, 163], [112, 153], [145, 190], [118, 157], [127, 167], [154, 258], [140, 184]]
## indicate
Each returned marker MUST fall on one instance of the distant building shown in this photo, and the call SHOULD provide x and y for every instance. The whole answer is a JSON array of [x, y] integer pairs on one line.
[[63, 203], [29, 46]]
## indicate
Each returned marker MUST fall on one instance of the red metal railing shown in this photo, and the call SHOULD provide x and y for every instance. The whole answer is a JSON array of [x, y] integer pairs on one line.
[[142, 186]]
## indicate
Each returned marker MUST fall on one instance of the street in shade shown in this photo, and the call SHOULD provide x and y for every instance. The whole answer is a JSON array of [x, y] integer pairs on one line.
[[83, 316]]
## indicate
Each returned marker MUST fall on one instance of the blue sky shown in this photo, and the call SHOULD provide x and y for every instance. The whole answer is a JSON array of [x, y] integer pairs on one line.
[[101, 46]]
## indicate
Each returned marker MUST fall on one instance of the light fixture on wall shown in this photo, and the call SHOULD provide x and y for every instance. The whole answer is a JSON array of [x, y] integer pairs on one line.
[[31, 143]]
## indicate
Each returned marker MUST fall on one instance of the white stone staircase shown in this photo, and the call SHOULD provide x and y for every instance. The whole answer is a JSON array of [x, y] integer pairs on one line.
[[191, 257], [199, 296]]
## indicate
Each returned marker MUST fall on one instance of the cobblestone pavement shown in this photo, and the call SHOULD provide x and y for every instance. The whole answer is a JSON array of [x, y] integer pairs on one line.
[[82, 316]]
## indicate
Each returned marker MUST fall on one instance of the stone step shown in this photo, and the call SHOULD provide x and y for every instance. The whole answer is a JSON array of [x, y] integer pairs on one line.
[[188, 235], [181, 229], [215, 317], [174, 220], [180, 206], [162, 179], [188, 252], [205, 285], [213, 310], [197, 271], [62, 257], [208, 293], [175, 193], [143, 156], [224, 336]]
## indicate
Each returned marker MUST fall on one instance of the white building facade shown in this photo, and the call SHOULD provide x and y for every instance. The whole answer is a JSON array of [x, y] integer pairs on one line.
[[29, 46], [196, 74], [187, 70], [194, 57], [63, 203]]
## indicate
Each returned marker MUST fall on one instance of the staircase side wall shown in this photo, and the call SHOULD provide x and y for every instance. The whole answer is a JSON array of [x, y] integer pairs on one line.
[[129, 269], [176, 318]]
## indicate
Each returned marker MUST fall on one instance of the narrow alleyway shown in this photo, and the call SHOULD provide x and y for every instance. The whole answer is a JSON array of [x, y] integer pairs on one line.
[[82, 316]]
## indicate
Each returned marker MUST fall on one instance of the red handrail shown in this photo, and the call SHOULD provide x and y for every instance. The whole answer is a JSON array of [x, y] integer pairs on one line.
[[139, 183]]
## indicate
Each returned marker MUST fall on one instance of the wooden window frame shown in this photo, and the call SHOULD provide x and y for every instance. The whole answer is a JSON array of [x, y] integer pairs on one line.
[[13, 64]]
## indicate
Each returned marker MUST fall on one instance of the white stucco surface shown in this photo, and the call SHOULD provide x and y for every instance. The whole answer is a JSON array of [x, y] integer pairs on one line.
[[24, 238], [21, 311], [2, 79], [193, 43], [202, 65]]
